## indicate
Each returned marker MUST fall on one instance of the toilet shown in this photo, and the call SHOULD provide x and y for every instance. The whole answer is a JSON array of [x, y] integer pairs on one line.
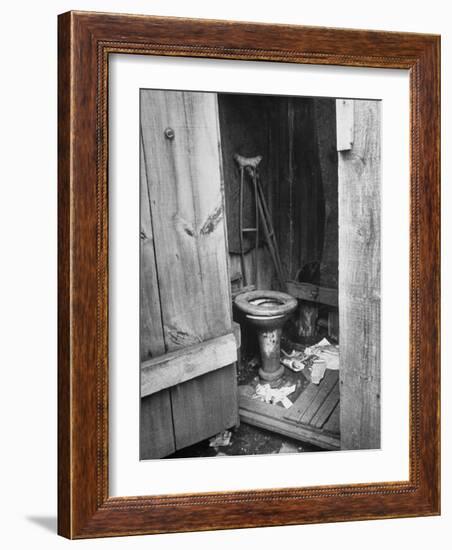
[[267, 311]]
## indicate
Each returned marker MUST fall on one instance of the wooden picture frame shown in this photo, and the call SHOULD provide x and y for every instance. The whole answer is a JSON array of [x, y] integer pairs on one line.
[[85, 42]]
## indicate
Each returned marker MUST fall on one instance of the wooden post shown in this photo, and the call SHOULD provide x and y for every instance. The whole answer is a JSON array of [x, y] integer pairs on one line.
[[359, 273], [308, 313]]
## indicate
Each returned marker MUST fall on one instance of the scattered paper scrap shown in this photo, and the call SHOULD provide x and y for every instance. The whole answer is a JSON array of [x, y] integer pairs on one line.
[[246, 390], [289, 448], [318, 371], [266, 393], [324, 342], [292, 364], [326, 352], [293, 360], [286, 402], [223, 439]]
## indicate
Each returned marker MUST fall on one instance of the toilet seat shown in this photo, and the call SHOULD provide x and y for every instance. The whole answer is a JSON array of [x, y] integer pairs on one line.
[[265, 303]]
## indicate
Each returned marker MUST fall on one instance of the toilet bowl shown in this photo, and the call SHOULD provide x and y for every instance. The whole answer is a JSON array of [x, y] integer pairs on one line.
[[267, 311]]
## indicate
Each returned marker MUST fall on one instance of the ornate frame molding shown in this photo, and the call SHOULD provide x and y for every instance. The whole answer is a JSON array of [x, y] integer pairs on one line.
[[85, 42]]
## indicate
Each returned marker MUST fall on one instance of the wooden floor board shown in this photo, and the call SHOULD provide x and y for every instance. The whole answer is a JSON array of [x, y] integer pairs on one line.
[[326, 408], [312, 398], [333, 423], [313, 418], [326, 386], [303, 402], [271, 417]]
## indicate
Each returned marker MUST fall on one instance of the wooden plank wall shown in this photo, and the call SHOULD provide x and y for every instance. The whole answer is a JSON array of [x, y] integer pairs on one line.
[[182, 161], [359, 268], [312, 188], [297, 138], [156, 425], [247, 127], [325, 131], [184, 182]]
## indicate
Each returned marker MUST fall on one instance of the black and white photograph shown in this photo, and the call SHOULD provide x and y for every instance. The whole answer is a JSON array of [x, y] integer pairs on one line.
[[259, 274]]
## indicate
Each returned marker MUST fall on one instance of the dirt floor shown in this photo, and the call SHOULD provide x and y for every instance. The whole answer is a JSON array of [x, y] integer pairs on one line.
[[247, 440]]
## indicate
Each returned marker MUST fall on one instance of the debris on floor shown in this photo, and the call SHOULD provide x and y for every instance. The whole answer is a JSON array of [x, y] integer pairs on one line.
[[288, 447], [313, 361], [223, 439], [326, 352], [246, 390], [293, 360], [318, 371], [266, 393], [245, 440]]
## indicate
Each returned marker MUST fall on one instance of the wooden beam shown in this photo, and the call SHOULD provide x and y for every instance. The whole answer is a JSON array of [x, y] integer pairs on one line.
[[359, 289], [344, 124], [313, 293], [187, 363]]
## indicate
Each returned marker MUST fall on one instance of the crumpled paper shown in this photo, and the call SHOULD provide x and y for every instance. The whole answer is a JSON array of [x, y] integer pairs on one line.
[[266, 393], [326, 352], [223, 439]]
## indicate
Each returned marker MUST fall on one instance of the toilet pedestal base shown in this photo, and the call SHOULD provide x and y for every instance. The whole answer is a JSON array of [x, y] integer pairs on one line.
[[271, 376], [269, 344]]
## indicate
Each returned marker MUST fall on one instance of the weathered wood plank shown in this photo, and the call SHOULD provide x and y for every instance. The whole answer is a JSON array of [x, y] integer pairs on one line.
[[204, 406], [313, 293], [344, 124], [245, 124], [266, 269], [359, 267], [311, 399], [326, 408], [333, 423], [319, 407], [309, 206], [184, 180], [184, 364], [303, 402], [156, 426], [181, 141], [152, 343], [325, 130]]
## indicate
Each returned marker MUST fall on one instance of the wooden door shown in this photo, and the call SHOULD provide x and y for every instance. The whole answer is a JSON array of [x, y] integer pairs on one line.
[[188, 350]]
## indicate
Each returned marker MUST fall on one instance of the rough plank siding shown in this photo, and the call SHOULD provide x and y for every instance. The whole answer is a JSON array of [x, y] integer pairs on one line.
[[181, 144], [156, 425], [359, 279], [325, 130], [151, 333], [245, 125], [187, 211]]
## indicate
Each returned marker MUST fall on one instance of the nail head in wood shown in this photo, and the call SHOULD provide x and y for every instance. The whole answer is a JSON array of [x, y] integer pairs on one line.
[[169, 133]]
